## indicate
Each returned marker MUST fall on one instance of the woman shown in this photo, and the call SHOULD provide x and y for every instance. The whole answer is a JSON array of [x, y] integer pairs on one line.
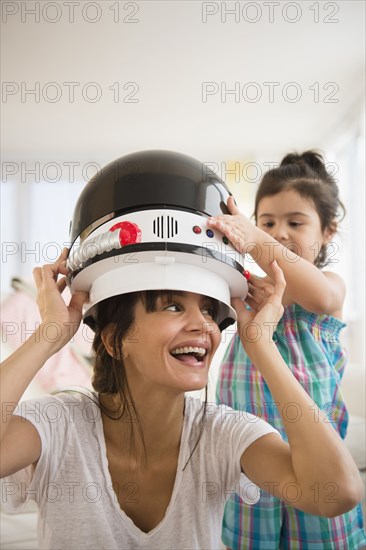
[[139, 465]]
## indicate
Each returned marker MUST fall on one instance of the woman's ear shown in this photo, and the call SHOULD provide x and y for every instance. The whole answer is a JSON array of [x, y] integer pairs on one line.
[[329, 232], [107, 337]]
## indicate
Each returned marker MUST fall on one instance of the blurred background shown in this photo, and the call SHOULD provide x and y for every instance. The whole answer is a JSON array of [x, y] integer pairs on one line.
[[235, 84]]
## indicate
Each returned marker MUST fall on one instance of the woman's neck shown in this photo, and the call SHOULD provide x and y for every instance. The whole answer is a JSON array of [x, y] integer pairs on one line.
[[160, 418]]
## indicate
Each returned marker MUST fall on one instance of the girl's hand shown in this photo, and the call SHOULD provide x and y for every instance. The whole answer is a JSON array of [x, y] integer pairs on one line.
[[236, 227], [263, 318], [59, 321]]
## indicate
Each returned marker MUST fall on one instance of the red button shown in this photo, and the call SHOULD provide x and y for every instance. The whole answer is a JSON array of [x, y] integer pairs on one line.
[[246, 274], [129, 233]]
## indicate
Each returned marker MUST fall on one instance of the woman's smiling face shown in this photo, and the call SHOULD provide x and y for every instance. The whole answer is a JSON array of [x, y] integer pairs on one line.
[[172, 346]]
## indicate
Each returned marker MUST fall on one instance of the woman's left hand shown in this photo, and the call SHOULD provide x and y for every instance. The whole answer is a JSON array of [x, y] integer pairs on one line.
[[266, 313], [259, 288]]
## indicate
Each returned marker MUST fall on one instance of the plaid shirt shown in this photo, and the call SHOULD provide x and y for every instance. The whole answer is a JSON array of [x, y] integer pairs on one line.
[[309, 344]]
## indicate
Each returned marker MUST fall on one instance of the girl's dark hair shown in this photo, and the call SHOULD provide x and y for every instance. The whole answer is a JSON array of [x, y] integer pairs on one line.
[[109, 376], [306, 174]]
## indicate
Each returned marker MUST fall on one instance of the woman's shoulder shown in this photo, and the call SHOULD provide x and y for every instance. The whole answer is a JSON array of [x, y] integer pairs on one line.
[[76, 394], [226, 423], [214, 413], [196, 410], [66, 402]]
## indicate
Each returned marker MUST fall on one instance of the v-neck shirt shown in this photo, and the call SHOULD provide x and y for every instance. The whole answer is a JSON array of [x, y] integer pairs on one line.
[[72, 486]]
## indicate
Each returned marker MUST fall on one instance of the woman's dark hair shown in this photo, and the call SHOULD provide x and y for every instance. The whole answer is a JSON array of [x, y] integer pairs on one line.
[[117, 315], [308, 176]]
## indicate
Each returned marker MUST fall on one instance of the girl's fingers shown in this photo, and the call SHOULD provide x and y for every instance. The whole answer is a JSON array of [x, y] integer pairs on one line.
[[219, 223], [230, 229], [233, 209], [225, 222]]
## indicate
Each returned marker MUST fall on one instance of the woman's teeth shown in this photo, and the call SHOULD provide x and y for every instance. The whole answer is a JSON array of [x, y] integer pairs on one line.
[[197, 351]]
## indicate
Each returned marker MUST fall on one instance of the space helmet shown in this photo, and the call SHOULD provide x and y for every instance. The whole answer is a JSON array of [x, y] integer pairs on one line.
[[141, 224]]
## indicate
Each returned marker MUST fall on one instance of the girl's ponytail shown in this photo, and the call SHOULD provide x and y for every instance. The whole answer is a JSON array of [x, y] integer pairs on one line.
[[309, 163]]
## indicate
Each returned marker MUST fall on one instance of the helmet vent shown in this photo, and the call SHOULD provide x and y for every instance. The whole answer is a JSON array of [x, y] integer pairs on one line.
[[165, 227]]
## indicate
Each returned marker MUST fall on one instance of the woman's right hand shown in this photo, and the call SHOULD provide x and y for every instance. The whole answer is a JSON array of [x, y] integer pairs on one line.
[[59, 321]]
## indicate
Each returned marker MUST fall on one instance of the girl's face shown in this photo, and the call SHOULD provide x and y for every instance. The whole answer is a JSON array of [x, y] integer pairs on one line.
[[172, 347], [294, 222]]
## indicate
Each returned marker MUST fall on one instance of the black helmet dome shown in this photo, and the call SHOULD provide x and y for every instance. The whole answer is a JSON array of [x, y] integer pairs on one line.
[[140, 224]]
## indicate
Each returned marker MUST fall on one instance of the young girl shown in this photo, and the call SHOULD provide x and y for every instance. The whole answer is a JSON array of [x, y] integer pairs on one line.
[[137, 464], [296, 211]]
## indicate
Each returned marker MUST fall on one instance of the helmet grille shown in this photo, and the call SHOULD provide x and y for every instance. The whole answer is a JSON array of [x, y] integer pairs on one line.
[[165, 227]]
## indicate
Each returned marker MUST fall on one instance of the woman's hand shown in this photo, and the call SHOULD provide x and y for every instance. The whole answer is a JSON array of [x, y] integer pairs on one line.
[[266, 310], [259, 288], [59, 321]]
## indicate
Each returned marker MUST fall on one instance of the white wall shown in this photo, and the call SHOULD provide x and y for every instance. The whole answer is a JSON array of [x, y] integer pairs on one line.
[[170, 49]]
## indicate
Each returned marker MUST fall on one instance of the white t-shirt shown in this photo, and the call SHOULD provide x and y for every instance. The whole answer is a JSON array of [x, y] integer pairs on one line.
[[78, 508]]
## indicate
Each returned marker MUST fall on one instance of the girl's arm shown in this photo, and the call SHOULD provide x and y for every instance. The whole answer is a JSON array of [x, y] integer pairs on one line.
[[20, 443], [314, 472], [313, 289]]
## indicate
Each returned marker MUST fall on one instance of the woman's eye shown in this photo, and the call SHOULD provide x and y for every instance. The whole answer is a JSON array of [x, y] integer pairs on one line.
[[172, 307], [295, 224], [208, 312], [268, 224]]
